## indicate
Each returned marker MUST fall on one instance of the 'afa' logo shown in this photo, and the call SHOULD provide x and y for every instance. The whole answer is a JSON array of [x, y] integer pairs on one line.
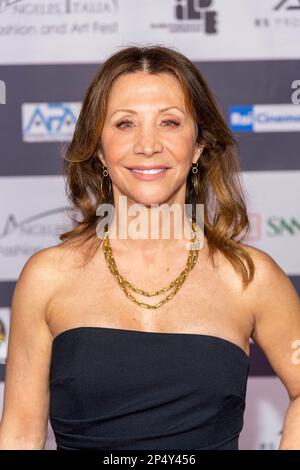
[[49, 122]]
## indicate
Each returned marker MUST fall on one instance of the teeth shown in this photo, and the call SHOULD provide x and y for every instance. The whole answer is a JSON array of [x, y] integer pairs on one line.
[[150, 172]]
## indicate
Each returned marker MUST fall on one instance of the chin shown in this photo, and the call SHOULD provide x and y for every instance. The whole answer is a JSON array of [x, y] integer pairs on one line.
[[147, 201]]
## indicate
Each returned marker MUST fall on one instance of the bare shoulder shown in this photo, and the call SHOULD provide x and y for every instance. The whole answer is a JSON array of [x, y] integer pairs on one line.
[[44, 271], [261, 257], [270, 282], [268, 273], [270, 293], [54, 259], [44, 263], [41, 265], [265, 267]]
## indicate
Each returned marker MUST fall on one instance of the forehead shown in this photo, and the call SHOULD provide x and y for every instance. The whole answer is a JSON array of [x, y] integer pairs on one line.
[[142, 87]]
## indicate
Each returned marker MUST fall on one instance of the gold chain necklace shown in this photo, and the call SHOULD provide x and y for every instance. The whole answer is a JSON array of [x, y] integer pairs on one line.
[[177, 283]]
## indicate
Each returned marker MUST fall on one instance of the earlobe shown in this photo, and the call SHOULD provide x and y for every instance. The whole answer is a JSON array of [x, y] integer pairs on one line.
[[200, 149], [99, 155], [198, 152]]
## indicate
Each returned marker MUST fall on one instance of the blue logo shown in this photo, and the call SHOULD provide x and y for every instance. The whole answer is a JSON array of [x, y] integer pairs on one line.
[[241, 118], [283, 117], [52, 122], [49, 121]]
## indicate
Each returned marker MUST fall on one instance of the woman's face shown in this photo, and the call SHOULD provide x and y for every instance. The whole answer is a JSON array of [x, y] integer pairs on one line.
[[138, 132]]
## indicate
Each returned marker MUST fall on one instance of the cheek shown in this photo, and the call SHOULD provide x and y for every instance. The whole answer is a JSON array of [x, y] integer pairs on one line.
[[182, 142], [182, 153], [114, 148]]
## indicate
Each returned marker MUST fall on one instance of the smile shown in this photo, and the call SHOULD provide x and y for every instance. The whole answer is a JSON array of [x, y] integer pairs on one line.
[[148, 175], [149, 172]]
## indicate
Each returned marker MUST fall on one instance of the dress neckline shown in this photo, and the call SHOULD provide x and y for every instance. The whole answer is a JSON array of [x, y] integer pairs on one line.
[[68, 331]]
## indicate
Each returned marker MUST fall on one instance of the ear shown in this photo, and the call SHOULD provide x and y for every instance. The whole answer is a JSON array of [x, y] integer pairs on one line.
[[198, 151]]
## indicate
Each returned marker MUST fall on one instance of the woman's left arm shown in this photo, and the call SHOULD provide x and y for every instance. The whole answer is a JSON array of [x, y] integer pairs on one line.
[[275, 305]]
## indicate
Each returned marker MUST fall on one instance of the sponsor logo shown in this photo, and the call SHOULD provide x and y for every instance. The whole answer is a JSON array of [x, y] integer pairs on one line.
[[278, 225], [78, 18], [287, 5], [191, 16], [44, 224], [35, 214], [49, 122], [60, 7], [7, 3], [272, 226], [241, 118], [283, 14], [264, 118]]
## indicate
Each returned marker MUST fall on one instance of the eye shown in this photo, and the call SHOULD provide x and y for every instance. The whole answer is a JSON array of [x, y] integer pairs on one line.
[[123, 122], [120, 124], [172, 122]]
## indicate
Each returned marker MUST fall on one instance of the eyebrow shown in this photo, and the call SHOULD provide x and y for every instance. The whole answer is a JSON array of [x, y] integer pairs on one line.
[[160, 110]]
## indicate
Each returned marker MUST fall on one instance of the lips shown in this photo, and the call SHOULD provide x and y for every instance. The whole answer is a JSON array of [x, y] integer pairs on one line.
[[153, 167], [153, 171], [148, 174]]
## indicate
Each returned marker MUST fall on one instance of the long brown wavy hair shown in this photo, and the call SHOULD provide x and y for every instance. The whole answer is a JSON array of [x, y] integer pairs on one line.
[[216, 185]]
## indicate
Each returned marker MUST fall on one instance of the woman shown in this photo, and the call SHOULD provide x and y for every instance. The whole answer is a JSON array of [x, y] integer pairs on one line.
[[117, 370]]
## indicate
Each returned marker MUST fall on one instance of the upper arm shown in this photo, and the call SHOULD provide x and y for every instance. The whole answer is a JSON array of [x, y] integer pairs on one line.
[[26, 391], [276, 307]]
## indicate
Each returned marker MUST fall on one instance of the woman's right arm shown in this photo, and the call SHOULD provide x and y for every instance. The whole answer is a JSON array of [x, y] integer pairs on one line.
[[24, 421]]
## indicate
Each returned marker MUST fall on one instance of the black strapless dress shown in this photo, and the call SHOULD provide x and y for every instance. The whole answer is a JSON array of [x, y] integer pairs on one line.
[[116, 389]]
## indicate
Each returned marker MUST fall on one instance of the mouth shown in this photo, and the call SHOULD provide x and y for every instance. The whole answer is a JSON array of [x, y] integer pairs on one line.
[[149, 173]]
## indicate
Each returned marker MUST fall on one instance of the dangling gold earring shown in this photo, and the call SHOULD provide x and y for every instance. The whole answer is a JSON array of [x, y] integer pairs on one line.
[[195, 180], [105, 174], [195, 168]]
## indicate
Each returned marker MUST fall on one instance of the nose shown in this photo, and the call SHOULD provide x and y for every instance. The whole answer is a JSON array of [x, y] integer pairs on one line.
[[148, 141]]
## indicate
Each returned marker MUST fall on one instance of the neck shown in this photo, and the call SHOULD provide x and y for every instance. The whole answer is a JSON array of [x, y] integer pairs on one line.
[[152, 233]]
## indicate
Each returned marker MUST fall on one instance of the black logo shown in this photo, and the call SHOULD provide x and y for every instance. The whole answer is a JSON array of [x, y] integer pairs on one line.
[[7, 3], [287, 5], [197, 10]]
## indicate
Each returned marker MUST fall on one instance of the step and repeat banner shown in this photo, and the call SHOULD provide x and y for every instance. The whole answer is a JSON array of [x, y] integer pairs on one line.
[[248, 50]]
